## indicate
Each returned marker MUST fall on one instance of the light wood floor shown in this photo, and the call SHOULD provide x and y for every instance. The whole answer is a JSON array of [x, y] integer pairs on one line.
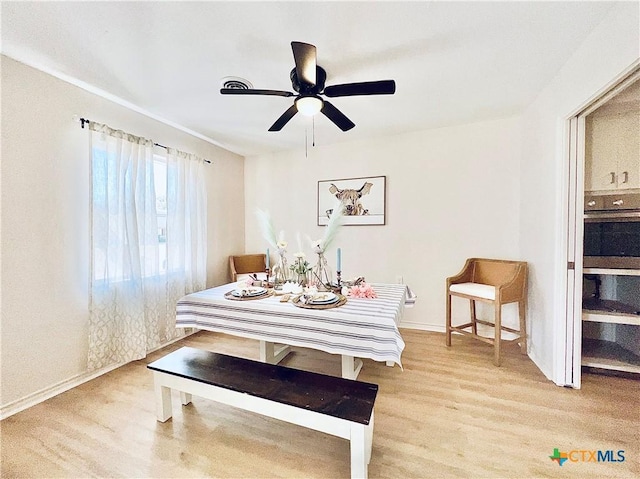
[[450, 413]]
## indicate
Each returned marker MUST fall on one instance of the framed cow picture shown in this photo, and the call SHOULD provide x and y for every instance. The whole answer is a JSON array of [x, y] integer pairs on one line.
[[363, 200]]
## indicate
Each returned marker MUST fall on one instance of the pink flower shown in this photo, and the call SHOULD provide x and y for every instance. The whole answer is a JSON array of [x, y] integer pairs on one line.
[[363, 290]]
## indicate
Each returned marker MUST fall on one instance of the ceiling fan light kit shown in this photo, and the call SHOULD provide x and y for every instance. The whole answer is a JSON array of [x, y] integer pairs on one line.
[[308, 79], [308, 105]]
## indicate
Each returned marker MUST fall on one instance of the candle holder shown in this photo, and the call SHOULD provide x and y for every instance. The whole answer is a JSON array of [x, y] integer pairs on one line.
[[337, 286]]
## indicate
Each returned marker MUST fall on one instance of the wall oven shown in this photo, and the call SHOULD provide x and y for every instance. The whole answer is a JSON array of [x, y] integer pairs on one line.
[[612, 231]]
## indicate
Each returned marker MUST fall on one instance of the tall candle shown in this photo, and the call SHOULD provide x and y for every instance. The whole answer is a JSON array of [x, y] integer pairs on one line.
[[339, 259], [268, 260]]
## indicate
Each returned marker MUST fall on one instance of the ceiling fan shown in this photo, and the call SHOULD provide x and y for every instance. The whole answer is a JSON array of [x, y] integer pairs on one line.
[[308, 79]]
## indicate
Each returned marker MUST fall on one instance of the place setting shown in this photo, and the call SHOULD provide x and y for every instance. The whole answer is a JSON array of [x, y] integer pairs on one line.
[[319, 300], [248, 293]]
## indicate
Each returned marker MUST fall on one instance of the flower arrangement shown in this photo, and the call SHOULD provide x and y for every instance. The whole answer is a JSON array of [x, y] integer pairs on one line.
[[322, 275], [363, 290], [319, 246], [280, 270], [266, 228], [300, 265]]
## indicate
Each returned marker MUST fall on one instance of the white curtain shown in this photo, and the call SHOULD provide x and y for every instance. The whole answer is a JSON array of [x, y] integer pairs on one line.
[[135, 282], [186, 229]]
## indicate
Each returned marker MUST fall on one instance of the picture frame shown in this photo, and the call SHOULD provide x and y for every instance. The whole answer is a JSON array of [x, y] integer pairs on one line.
[[364, 200]]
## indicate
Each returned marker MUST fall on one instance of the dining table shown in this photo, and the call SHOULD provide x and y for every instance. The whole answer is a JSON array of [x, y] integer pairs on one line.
[[357, 328]]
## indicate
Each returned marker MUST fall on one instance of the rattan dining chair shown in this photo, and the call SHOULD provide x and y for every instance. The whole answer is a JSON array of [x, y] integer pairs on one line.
[[493, 281], [241, 266]]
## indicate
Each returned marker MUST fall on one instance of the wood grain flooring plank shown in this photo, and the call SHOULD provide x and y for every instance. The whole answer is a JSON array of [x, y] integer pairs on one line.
[[449, 413]]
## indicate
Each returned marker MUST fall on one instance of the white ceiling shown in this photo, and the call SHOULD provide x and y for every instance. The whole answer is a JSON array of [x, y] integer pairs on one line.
[[453, 62]]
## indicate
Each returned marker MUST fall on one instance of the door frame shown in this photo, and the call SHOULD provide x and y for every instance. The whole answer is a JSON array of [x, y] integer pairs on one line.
[[570, 342]]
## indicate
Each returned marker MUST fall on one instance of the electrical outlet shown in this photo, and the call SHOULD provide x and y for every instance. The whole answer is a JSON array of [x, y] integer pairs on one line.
[[399, 279]]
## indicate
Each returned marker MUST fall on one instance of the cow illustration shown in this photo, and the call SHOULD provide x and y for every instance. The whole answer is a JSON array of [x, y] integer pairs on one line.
[[350, 199]]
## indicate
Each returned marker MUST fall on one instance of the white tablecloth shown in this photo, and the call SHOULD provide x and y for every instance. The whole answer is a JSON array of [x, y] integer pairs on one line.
[[362, 328]]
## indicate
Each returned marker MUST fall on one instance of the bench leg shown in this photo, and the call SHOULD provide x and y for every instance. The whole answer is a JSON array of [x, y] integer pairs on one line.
[[369, 438], [268, 353], [351, 367], [390, 363], [185, 398], [163, 400], [359, 452]]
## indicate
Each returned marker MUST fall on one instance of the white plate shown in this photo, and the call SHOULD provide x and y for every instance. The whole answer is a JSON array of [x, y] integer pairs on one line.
[[255, 291], [324, 298]]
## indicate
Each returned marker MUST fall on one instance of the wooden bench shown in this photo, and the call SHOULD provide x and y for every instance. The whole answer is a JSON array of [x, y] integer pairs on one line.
[[333, 405]]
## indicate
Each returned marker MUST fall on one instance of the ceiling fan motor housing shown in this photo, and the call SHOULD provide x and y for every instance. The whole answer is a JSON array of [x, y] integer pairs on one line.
[[305, 88]]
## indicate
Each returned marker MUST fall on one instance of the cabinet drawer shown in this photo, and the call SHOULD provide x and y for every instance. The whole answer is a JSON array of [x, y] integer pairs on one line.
[[593, 203], [620, 202]]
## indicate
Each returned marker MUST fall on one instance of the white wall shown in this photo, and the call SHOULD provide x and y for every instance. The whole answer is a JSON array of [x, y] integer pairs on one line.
[[45, 227], [452, 193], [611, 48]]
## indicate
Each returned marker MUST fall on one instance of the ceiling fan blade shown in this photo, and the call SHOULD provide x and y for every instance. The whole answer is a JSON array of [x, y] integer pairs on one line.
[[304, 55], [284, 118], [250, 91], [381, 87], [336, 116]]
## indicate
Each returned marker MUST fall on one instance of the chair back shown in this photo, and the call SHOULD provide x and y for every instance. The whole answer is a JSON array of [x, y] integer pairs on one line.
[[494, 272], [246, 263]]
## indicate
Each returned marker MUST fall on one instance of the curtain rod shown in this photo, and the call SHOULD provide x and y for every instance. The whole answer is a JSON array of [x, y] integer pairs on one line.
[[84, 120]]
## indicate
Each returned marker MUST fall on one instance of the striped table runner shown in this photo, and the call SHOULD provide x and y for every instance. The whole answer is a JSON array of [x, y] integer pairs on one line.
[[362, 328]]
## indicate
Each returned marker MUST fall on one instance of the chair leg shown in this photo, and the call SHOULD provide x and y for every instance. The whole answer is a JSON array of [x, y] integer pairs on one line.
[[498, 333], [472, 305], [522, 311], [448, 318]]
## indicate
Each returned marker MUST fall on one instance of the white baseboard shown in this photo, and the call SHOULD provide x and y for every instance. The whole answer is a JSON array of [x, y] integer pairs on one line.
[[51, 391], [37, 397], [436, 328]]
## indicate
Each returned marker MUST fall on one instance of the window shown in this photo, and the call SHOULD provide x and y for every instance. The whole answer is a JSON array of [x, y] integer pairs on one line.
[[148, 220], [160, 182]]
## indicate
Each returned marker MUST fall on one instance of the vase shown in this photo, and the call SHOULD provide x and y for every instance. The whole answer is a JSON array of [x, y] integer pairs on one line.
[[303, 279], [280, 271], [321, 274]]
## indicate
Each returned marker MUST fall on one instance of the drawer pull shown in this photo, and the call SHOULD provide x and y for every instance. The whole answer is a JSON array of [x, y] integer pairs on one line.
[[618, 202], [591, 203]]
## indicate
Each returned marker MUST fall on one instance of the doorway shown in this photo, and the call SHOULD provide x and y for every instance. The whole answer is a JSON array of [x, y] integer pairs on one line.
[[602, 168]]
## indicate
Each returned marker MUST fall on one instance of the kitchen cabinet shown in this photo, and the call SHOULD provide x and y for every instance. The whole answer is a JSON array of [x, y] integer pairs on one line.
[[611, 319], [612, 150]]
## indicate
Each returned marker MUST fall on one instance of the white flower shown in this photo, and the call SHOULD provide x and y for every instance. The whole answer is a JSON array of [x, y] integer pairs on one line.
[[282, 244], [299, 255], [290, 287]]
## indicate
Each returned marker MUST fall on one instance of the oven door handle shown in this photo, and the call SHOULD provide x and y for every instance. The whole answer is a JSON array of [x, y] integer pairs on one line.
[[632, 215]]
